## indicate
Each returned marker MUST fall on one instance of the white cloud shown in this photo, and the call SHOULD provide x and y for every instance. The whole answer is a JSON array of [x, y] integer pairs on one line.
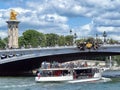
[[98, 9], [55, 18], [86, 27], [3, 34], [111, 15], [62, 7], [53, 15], [109, 29], [83, 31], [102, 29], [4, 15]]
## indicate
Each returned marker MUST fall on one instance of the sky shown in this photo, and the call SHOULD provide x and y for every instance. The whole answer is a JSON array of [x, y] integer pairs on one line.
[[84, 17]]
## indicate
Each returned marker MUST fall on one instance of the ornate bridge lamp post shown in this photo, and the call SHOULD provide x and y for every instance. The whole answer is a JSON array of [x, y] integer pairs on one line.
[[70, 31], [75, 36], [104, 35], [13, 30], [96, 38], [71, 41]]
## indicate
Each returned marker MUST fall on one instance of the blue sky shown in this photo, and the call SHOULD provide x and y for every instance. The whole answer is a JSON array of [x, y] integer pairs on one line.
[[78, 21], [84, 17]]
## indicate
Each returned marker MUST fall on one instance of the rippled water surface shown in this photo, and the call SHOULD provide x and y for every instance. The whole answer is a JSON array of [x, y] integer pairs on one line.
[[28, 83]]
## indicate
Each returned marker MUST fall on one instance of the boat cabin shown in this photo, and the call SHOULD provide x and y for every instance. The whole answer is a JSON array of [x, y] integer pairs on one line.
[[54, 72], [88, 72]]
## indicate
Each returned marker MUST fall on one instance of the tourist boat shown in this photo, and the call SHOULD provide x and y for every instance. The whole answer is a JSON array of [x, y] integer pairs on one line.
[[70, 75]]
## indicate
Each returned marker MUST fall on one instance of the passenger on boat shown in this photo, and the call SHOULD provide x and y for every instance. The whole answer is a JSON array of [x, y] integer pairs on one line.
[[74, 75], [39, 75]]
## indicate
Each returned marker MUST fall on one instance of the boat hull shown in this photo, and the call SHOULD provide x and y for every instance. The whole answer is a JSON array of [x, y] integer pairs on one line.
[[84, 80], [54, 79], [65, 79]]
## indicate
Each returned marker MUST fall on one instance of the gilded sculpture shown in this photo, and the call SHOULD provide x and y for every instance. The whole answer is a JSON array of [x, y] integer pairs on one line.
[[13, 15]]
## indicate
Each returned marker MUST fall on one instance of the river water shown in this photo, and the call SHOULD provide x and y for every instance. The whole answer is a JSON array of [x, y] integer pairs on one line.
[[28, 83]]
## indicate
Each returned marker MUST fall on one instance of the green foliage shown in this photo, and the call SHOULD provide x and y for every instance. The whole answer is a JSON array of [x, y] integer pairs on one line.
[[32, 38], [2, 44], [69, 40], [61, 41], [5, 40], [99, 41], [111, 41], [116, 58], [51, 39], [90, 39], [21, 41]]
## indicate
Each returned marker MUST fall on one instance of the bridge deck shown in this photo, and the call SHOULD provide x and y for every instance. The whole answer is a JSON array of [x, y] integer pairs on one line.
[[29, 59], [40, 52]]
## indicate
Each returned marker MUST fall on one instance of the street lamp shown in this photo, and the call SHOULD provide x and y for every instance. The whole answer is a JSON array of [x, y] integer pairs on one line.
[[96, 35], [70, 31], [104, 35], [75, 36], [96, 38]]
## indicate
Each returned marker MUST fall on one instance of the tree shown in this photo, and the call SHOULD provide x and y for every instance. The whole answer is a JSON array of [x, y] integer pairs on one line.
[[51, 39], [41, 39], [69, 40], [33, 38], [90, 39], [5, 40], [21, 42], [2, 44], [99, 41], [61, 41], [111, 41]]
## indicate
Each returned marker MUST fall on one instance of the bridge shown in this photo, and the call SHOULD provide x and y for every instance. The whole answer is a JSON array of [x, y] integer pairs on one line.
[[17, 61]]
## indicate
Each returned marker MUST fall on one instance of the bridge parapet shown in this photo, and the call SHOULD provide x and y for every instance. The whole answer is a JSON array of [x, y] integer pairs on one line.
[[109, 45], [39, 52]]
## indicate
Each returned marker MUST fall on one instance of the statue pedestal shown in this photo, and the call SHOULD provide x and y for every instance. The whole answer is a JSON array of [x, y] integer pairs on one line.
[[13, 33]]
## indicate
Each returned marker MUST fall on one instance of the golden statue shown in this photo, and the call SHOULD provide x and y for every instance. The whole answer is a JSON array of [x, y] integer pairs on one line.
[[89, 45], [13, 15]]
